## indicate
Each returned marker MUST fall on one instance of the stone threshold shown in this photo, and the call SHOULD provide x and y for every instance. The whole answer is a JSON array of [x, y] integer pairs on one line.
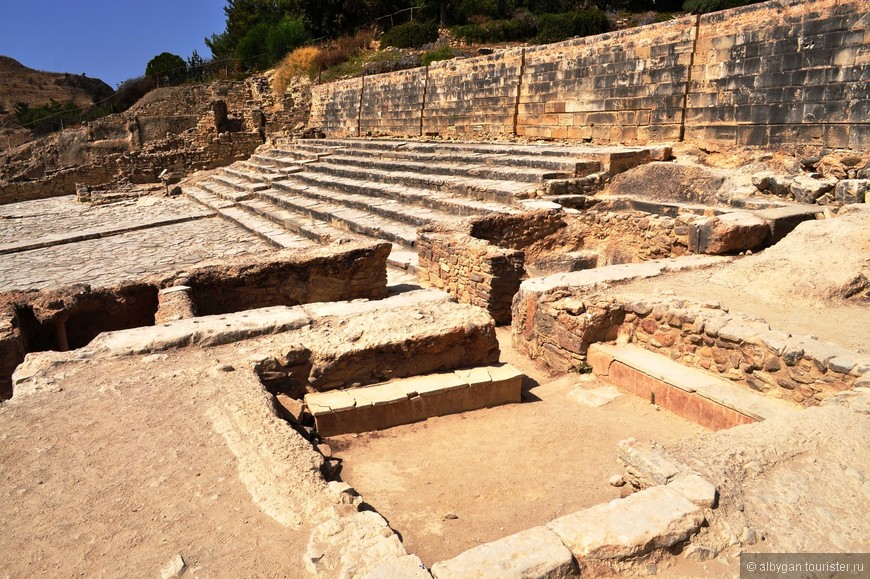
[[413, 399], [687, 392]]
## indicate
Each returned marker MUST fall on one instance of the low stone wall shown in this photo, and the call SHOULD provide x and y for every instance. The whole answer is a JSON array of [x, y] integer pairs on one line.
[[636, 235], [555, 319], [335, 107], [472, 270], [289, 278], [517, 231], [392, 102], [70, 317]]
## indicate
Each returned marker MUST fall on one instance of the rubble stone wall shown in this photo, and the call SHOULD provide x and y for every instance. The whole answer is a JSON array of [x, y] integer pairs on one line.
[[472, 270], [557, 325], [785, 72]]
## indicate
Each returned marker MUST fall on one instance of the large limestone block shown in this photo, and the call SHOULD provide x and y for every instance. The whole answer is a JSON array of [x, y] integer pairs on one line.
[[532, 554], [852, 190], [655, 518], [728, 233]]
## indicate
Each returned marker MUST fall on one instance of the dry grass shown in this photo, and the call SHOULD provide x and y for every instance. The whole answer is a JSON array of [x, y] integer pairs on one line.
[[341, 50], [298, 63]]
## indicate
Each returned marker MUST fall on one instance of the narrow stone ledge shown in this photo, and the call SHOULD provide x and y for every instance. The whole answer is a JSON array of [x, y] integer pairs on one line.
[[534, 553]]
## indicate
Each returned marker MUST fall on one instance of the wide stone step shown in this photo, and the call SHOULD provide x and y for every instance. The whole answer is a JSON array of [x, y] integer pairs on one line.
[[238, 184], [574, 167], [224, 191], [298, 155], [323, 232], [414, 399], [488, 189], [446, 202], [252, 173], [688, 392], [388, 208], [356, 220], [436, 165], [253, 223]]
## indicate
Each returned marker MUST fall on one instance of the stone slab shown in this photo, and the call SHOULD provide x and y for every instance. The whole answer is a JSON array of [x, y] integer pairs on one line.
[[533, 553], [688, 392], [655, 518], [202, 331], [698, 490], [413, 399]]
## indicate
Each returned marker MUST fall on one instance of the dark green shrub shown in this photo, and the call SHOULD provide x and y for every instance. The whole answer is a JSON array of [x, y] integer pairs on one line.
[[167, 67], [440, 53], [705, 6], [520, 27], [284, 37], [557, 27], [410, 35]]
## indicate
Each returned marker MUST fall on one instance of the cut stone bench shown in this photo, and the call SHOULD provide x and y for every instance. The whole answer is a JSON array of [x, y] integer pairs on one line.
[[687, 392], [413, 399]]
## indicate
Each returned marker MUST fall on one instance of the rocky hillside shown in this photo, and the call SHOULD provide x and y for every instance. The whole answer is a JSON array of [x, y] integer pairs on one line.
[[36, 88]]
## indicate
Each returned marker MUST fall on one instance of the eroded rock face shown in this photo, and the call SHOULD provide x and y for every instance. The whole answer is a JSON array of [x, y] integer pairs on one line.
[[728, 233], [669, 181]]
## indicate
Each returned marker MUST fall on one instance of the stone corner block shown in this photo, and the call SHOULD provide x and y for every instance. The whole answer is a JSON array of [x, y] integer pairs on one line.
[[698, 490], [535, 553]]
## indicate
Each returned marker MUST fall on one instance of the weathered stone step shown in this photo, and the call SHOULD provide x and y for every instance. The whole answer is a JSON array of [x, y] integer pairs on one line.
[[356, 220], [414, 399], [363, 144], [227, 195], [573, 167], [388, 208], [446, 202], [255, 224], [688, 392], [251, 173], [323, 232], [238, 184], [436, 165], [489, 189], [298, 155]]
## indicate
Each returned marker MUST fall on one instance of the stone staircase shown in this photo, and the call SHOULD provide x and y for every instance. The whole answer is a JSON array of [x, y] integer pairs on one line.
[[317, 191]]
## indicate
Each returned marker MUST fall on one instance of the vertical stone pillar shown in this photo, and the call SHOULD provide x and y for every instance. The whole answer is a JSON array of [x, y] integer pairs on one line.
[[174, 303]]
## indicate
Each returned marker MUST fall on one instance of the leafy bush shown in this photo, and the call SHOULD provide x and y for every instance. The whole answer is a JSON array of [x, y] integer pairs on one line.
[[441, 53], [284, 37], [410, 35], [705, 6], [521, 27], [557, 27]]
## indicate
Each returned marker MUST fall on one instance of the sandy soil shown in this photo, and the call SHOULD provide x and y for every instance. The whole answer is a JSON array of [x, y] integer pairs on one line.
[[453, 482], [121, 470]]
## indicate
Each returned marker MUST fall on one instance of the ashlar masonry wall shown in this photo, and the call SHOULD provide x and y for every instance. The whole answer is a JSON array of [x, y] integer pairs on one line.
[[785, 72]]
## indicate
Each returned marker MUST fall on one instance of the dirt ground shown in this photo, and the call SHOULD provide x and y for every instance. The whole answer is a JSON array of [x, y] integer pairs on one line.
[[454, 482], [120, 469], [798, 285]]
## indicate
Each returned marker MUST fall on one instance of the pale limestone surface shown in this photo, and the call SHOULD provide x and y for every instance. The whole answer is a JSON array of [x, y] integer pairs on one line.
[[536, 553], [126, 257]]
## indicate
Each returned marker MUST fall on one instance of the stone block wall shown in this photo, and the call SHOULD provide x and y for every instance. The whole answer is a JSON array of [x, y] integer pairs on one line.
[[627, 86], [475, 97], [556, 319], [391, 103], [785, 72], [624, 237], [788, 71], [743, 349], [335, 107], [471, 270]]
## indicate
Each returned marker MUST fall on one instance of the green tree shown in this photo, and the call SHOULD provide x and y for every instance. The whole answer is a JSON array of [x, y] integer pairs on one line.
[[167, 68], [195, 67]]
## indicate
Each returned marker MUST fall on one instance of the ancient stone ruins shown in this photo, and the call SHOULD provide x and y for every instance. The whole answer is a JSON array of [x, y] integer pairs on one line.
[[592, 308]]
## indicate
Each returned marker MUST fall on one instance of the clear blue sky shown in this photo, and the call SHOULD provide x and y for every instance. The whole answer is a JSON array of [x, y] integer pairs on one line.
[[108, 39]]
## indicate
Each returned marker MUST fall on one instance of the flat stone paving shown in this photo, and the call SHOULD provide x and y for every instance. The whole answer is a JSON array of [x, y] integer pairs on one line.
[[63, 219], [128, 256]]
